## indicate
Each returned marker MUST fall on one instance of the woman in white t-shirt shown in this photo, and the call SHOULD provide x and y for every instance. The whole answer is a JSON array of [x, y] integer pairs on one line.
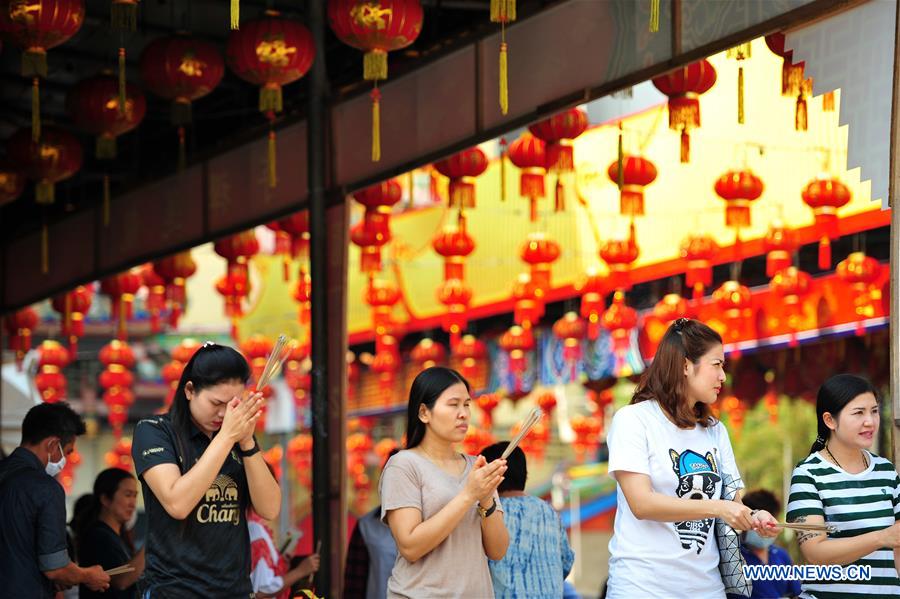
[[669, 457]]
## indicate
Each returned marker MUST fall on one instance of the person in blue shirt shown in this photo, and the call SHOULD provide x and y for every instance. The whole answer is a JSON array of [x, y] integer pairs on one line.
[[539, 556], [761, 550]]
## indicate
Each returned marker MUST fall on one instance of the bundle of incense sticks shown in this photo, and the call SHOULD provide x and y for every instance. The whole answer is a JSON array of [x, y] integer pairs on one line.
[[276, 359], [826, 528], [119, 570], [532, 419]]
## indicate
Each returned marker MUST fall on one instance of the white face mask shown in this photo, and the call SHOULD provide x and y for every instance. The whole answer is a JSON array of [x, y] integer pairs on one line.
[[54, 468]]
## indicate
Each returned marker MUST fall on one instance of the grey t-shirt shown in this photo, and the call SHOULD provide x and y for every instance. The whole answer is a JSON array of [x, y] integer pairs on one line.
[[458, 567]]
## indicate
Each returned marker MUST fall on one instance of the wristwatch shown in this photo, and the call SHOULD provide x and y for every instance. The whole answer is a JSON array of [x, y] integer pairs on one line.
[[484, 513], [250, 452]]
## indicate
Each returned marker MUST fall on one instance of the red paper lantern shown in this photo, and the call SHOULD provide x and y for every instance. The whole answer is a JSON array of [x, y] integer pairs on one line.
[[292, 239], [303, 296], [36, 26], [571, 330], [825, 195], [12, 183], [235, 285], [461, 169], [683, 87], [185, 350], [861, 273], [156, 295], [19, 326], [381, 296], [374, 231], [270, 52], [256, 349], [587, 435], [455, 247], [793, 82], [471, 353], [427, 353], [735, 302], [55, 158], [386, 364], [121, 289], [119, 456], [118, 357], [456, 295], [666, 311], [517, 342], [375, 28], [619, 319], [791, 285], [593, 289], [547, 401], [529, 155], [619, 255], [72, 307], [529, 301], [780, 245], [49, 380], [174, 270], [738, 189], [698, 251], [487, 403], [181, 69], [558, 132], [540, 252], [94, 106], [637, 173]]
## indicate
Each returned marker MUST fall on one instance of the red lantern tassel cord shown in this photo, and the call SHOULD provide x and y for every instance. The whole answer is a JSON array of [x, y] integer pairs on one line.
[[182, 150], [800, 114], [825, 253], [273, 175], [122, 96]]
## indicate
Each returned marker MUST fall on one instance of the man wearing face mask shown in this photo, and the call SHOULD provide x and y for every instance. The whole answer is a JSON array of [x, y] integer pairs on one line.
[[34, 561], [760, 550]]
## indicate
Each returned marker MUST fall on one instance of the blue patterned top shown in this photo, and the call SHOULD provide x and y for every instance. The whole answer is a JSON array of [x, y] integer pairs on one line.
[[539, 556]]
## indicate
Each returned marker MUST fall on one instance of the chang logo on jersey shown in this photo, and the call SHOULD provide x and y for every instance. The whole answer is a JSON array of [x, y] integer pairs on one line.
[[220, 503]]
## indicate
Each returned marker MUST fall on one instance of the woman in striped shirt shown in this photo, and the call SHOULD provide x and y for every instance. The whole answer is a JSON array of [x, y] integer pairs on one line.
[[843, 484]]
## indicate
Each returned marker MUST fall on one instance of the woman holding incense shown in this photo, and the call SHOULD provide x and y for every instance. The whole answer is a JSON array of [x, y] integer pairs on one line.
[[442, 506], [102, 535], [842, 483], [671, 459], [200, 468]]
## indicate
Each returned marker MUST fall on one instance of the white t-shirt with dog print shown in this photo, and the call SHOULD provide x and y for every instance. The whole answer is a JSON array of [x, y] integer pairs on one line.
[[666, 559]]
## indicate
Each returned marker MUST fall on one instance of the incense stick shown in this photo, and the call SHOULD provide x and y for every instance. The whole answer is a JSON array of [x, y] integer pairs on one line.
[[826, 528], [532, 419], [273, 363], [119, 570], [318, 549]]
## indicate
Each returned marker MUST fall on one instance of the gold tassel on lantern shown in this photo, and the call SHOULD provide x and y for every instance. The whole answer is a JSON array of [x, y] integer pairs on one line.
[[503, 12], [800, 116], [44, 192], [105, 200], [235, 14], [560, 203], [36, 110], [654, 16], [620, 161], [375, 65], [685, 146], [376, 125], [273, 180], [122, 96], [105, 147], [270, 98], [828, 102], [504, 78], [34, 62], [740, 53]]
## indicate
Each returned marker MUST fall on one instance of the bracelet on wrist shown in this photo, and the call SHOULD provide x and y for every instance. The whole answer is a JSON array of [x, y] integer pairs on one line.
[[250, 452]]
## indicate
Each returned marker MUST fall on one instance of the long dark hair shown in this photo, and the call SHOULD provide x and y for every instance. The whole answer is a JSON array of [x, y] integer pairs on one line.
[[833, 396], [210, 365], [105, 485], [664, 379], [425, 390]]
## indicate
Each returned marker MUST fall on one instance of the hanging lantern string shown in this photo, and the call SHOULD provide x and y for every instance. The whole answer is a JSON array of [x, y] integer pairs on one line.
[[271, 154], [122, 93], [376, 123], [36, 110]]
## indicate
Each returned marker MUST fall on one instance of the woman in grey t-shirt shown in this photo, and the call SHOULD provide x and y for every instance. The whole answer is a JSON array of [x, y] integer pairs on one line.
[[442, 506]]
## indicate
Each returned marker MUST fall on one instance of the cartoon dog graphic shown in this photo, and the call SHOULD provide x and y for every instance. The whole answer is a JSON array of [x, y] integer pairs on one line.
[[698, 477]]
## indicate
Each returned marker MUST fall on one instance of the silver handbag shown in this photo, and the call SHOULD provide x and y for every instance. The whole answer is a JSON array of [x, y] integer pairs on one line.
[[731, 562]]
